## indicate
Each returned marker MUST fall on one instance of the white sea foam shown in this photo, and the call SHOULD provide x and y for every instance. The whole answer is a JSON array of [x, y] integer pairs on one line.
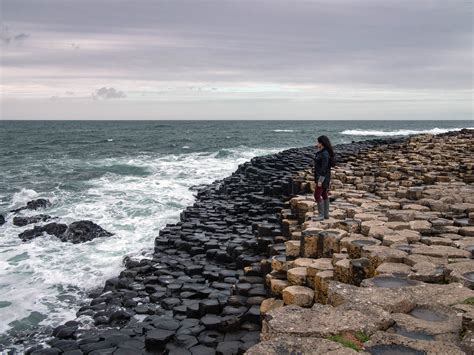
[[398, 132], [47, 276], [22, 197], [283, 130]]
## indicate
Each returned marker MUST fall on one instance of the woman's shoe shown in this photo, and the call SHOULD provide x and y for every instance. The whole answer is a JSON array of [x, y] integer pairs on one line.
[[320, 215]]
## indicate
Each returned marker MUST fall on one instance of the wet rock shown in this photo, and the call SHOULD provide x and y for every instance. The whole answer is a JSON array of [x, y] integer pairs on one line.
[[34, 205], [211, 322], [202, 350], [64, 332], [2, 220], [229, 347], [156, 340], [23, 221], [83, 231], [56, 229]]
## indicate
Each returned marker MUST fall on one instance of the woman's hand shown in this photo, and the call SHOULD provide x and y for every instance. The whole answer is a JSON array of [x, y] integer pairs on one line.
[[320, 184]]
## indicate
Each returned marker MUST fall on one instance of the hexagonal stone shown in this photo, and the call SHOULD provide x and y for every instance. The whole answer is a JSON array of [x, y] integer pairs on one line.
[[298, 345], [366, 225], [393, 268], [394, 238], [379, 232], [420, 226], [467, 231], [269, 304], [156, 340], [292, 248], [277, 286], [320, 321], [441, 251], [298, 295], [390, 343], [378, 254], [301, 262], [428, 272], [297, 276]]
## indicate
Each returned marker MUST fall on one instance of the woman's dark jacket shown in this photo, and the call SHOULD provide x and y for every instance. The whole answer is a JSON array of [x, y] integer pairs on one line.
[[322, 168]]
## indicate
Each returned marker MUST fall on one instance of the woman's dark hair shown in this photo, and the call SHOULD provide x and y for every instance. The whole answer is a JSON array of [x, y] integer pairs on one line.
[[324, 140]]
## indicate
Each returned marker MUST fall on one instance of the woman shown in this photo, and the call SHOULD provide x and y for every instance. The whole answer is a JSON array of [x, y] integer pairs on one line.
[[323, 161]]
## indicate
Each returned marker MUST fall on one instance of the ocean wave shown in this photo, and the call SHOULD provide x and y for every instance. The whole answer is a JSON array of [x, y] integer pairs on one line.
[[22, 197], [398, 132], [283, 130]]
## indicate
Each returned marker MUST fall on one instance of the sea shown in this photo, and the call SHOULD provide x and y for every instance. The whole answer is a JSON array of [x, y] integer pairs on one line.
[[131, 178]]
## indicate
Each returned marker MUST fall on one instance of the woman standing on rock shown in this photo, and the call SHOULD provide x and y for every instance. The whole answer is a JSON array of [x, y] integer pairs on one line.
[[323, 161]]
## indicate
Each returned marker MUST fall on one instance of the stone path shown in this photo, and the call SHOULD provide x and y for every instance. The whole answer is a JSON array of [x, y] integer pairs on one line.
[[392, 268]]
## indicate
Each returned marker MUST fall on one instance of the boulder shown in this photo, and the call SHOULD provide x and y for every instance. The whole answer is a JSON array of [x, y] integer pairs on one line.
[[23, 221], [56, 229], [34, 205], [77, 232], [83, 231]]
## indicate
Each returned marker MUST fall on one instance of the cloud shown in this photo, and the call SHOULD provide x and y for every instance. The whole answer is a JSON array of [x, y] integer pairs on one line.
[[108, 93], [8, 38], [375, 49]]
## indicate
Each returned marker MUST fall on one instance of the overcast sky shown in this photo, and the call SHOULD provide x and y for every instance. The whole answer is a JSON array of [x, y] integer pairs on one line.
[[401, 59]]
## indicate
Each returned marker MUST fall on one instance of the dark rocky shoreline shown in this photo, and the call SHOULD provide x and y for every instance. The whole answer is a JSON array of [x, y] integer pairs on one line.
[[201, 292]]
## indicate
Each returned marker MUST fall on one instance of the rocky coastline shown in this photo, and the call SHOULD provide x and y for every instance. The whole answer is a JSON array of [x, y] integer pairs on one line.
[[246, 270], [391, 270]]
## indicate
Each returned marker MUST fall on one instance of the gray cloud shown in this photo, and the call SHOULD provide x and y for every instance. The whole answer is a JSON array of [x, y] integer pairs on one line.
[[391, 45], [6, 37], [108, 93]]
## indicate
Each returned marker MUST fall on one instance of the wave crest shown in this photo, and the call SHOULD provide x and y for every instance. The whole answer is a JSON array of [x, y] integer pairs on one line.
[[399, 132]]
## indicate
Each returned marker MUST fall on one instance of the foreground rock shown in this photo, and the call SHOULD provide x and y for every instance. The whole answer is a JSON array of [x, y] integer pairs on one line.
[[56, 229], [23, 221], [83, 231], [34, 205], [300, 345], [77, 232]]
